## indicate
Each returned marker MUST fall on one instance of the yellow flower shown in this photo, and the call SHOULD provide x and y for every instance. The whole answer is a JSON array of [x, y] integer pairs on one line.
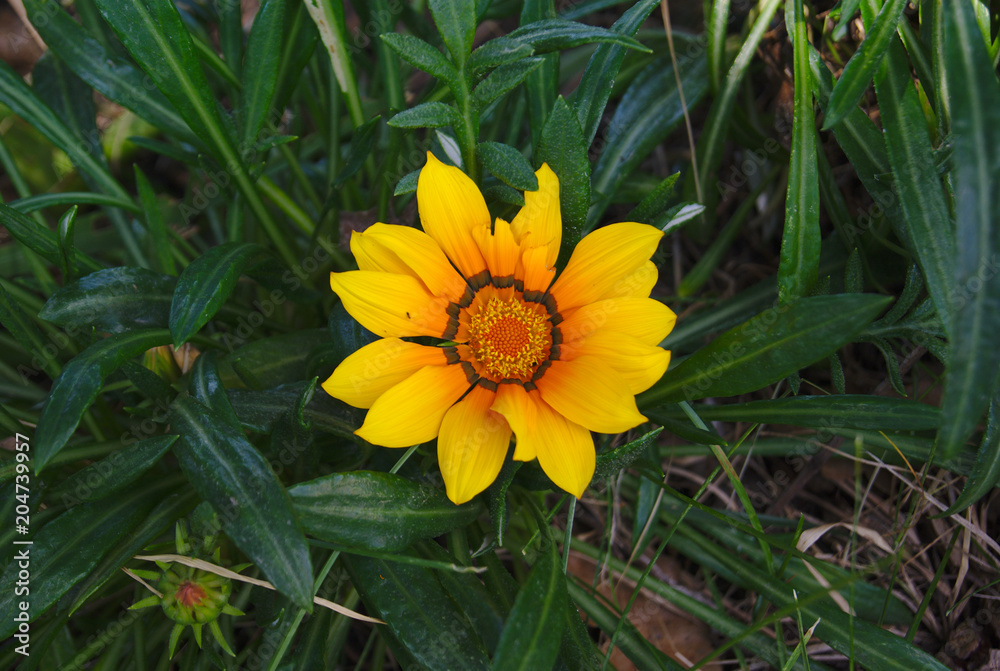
[[546, 361]]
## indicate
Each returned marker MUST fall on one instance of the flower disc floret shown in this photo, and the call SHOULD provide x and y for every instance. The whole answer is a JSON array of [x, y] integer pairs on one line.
[[509, 339]]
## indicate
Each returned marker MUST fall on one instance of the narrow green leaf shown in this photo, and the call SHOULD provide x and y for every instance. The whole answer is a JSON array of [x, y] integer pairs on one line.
[[206, 388], [531, 637], [564, 148], [112, 76], [799, 267], [113, 300], [155, 35], [206, 284], [558, 34], [498, 51], [918, 186], [361, 146], [973, 359], [613, 462], [427, 115], [456, 21], [860, 70], [66, 549], [421, 616], [80, 382], [422, 55], [770, 346], [591, 96], [19, 324], [260, 411], [155, 224], [851, 411], [278, 359], [503, 80], [66, 198], [985, 473], [376, 511], [648, 113], [112, 473], [229, 473], [260, 72], [508, 165]]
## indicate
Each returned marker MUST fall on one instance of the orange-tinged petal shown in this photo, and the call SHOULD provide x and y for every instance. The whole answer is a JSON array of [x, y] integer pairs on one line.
[[411, 412], [513, 403], [645, 319], [534, 271], [591, 393], [392, 306], [450, 207], [639, 364], [498, 248], [472, 445], [416, 253], [539, 223], [375, 368], [602, 260]]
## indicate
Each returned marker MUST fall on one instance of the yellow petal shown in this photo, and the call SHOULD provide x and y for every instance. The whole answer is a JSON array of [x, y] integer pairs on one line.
[[405, 250], [472, 445], [645, 319], [372, 370], [393, 306], [450, 207], [589, 392], [604, 260], [640, 365], [639, 284], [565, 450], [534, 271], [519, 410], [498, 248], [539, 223], [411, 412]]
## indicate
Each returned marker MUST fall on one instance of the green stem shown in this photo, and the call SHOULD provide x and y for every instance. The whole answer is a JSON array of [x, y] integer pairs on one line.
[[329, 19]]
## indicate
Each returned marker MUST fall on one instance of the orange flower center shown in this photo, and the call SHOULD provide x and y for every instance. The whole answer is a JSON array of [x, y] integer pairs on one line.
[[190, 594], [509, 338]]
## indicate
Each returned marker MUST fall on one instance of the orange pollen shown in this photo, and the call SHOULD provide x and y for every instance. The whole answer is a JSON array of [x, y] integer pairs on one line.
[[509, 338], [190, 594]]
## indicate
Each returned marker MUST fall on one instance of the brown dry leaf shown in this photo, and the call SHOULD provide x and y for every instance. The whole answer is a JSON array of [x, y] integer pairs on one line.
[[675, 633]]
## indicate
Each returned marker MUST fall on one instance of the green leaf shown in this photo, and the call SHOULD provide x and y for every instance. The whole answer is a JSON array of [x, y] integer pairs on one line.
[[39, 239], [973, 359], [985, 473], [503, 80], [558, 34], [770, 346], [564, 148], [497, 51], [592, 94], [420, 615], [376, 511], [860, 70], [261, 410], [206, 388], [850, 411], [155, 224], [66, 549], [918, 187], [407, 183], [155, 35], [206, 284], [427, 115], [260, 73], [79, 384], [799, 267], [66, 198], [277, 359], [113, 473], [531, 637], [422, 55], [648, 113], [361, 146], [113, 77], [456, 21], [508, 165], [114, 300], [613, 462], [19, 324], [229, 473]]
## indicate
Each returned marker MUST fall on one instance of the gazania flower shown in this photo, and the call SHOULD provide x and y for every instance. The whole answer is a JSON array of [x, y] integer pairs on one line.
[[520, 354]]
